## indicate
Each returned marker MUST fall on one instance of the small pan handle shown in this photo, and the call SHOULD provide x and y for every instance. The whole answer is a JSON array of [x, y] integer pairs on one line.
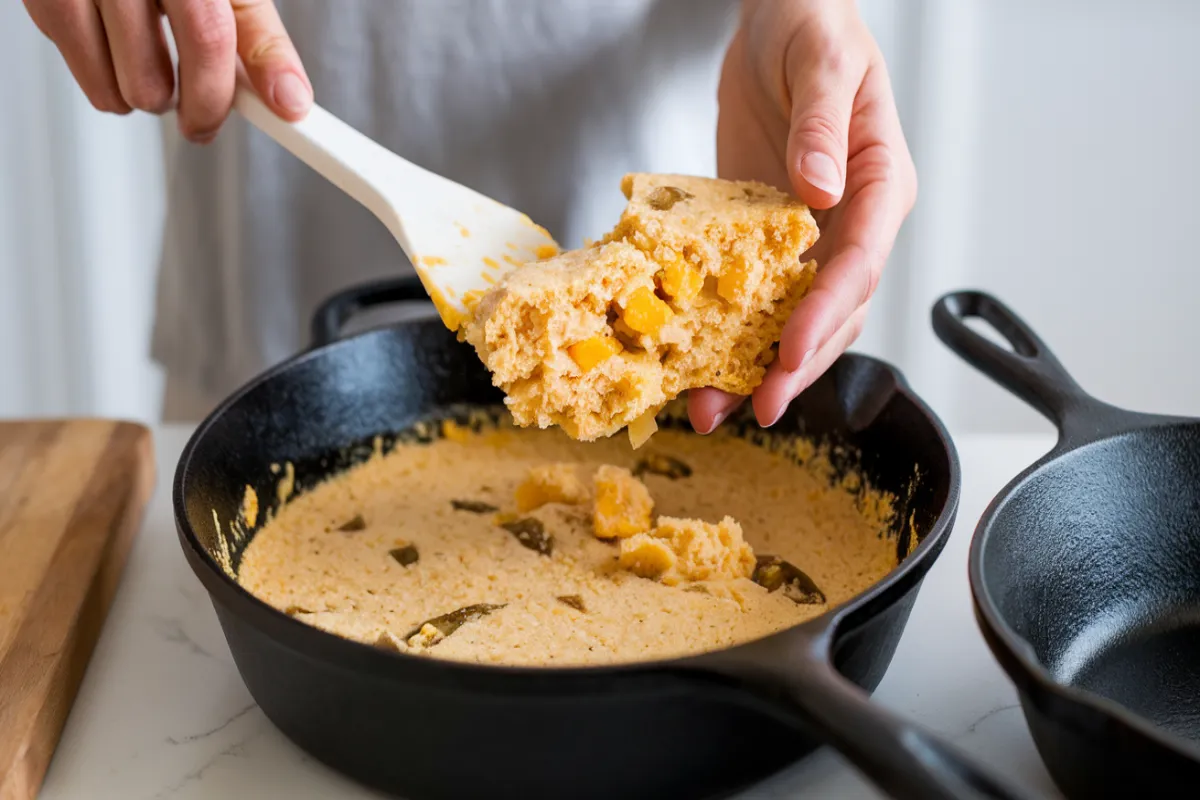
[[1030, 371], [333, 314], [798, 683]]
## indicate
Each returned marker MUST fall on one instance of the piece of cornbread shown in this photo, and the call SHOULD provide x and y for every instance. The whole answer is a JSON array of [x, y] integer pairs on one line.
[[690, 289], [623, 506], [683, 550]]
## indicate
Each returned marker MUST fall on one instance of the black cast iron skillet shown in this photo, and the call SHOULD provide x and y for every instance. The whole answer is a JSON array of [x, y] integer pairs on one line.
[[1085, 572], [697, 727]]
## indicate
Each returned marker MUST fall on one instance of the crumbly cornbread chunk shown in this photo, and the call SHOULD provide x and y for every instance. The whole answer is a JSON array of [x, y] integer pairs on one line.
[[550, 483], [691, 289], [623, 505], [529, 329], [685, 550]]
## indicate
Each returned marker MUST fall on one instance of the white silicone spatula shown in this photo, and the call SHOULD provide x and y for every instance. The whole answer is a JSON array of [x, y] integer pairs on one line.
[[459, 241]]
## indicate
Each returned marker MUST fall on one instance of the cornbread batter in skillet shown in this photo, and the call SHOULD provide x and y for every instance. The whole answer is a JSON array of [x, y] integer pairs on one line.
[[523, 547]]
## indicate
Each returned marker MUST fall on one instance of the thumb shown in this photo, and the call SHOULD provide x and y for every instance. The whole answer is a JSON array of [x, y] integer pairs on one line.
[[822, 103], [271, 61]]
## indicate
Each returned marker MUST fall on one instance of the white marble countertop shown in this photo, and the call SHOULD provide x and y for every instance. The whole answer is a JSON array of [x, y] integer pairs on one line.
[[162, 712]]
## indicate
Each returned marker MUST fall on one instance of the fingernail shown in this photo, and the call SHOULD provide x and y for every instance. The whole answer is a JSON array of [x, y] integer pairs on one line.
[[807, 357], [291, 94], [820, 171], [717, 419], [778, 416]]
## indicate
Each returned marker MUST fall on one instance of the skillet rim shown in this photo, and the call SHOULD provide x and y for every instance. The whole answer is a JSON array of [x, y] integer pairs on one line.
[[1014, 653], [826, 627]]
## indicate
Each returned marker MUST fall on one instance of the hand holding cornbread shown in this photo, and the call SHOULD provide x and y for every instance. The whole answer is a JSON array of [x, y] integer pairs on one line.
[[806, 105]]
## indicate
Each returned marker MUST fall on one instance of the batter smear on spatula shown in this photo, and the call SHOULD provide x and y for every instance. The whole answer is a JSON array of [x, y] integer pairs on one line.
[[691, 289]]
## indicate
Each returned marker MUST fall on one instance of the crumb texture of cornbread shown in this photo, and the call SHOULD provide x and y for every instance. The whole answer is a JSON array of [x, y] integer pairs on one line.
[[690, 289], [550, 483], [623, 505], [679, 550], [439, 562]]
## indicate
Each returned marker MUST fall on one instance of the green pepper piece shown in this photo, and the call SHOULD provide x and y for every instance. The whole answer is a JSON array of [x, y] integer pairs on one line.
[[473, 506], [447, 624], [773, 573], [406, 555], [354, 524], [659, 464], [531, 533], [664, 197], [572, 600]]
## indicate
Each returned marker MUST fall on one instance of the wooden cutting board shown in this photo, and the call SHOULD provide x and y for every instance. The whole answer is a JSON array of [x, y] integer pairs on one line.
[[72, 494]]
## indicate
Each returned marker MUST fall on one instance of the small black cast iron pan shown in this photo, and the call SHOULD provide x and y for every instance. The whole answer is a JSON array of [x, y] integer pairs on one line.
[[1085, 573], [697, 727]]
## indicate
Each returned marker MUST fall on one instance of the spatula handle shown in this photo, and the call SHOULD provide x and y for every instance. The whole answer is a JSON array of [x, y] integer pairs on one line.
[[354, 163]]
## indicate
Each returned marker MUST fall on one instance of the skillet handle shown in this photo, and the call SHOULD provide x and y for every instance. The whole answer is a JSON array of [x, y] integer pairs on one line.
[[1030, 371], [801, 686], [333, 314]]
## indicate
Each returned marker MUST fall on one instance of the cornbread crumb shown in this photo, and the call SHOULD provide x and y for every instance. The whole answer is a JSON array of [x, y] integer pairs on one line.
[[250, 507], [623, 505], [690, 289], [550, 483], [425, 638], [682, 550]]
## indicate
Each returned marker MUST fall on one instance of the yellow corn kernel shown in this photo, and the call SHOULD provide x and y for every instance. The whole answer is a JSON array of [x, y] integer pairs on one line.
[[731, 285], [624, 331], [682, 281], [645, 312], [594, 351], [545, 251]]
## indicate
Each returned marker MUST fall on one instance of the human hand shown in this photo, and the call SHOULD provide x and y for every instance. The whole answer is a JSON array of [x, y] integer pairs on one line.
[[806, 105], [117, 52]]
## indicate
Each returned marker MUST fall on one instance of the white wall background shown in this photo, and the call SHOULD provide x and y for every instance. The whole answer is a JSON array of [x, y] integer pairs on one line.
[[81, 206], [1055, 139]]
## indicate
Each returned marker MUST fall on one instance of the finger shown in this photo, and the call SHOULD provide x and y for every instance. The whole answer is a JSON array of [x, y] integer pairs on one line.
[[824, 81], [708, 408], [271, 60], [76, 29], [843, 284], [880, 193], [780, 386], [205, 38], [139, 53]]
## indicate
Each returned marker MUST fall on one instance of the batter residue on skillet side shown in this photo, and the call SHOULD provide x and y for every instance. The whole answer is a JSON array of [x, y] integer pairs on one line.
[[431, 529]]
